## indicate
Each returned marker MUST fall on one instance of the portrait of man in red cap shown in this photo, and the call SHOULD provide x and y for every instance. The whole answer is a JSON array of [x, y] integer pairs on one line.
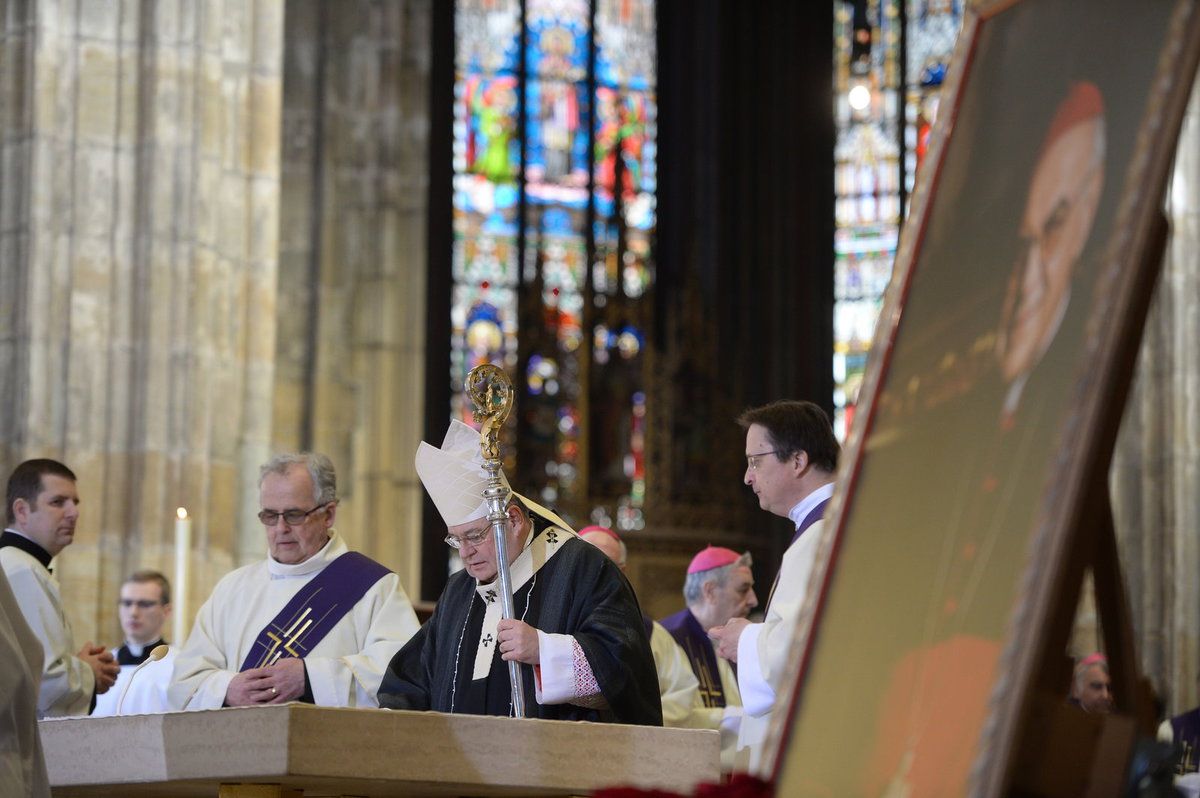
[[1060, 209], [995, 328], [938, 689]]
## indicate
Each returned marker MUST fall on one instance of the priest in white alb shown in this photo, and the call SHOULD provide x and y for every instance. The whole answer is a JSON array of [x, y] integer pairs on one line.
[[313, 622]]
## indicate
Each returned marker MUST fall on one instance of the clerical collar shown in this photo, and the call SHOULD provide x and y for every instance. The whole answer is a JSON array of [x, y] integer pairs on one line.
[[480, 587], [133, 654], [333, 548], [12, 537], [536, 553], [806, 505]]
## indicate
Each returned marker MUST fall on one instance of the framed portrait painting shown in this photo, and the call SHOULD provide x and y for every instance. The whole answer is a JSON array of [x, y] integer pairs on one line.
[[992, 372]]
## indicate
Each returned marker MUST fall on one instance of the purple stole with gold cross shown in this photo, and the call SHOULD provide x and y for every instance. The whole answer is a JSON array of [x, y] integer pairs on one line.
[[694, 641], [1186, 730], [315, 610]]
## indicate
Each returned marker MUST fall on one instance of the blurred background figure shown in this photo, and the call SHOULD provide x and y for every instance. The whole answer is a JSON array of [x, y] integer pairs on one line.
[[677, 686], [1091, 688], [143, 607]]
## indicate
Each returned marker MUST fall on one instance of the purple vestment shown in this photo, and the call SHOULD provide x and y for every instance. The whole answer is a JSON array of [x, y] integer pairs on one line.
[[315, 609], [693, 639]]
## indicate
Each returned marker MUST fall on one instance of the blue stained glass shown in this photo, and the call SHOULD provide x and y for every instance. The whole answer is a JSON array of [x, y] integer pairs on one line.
[[557, 142], [539, 156], [558, 48], [869, 173], [627, 49]]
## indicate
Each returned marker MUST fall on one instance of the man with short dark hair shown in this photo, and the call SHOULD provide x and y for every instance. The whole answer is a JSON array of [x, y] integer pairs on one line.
[[42, 507], [143, 608], [314, 622], [791, 460]]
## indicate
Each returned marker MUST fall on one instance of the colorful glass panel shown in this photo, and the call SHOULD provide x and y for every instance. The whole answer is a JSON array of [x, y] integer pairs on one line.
[[558, 37], [554, 158], [486, 162], [866, 185], [625, 181], [868, 173], [932, 29]]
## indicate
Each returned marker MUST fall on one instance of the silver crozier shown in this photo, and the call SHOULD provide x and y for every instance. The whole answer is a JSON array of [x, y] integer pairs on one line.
[[491, 391]]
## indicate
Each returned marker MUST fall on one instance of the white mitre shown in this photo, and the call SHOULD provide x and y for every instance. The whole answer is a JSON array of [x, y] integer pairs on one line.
[[454, 475]]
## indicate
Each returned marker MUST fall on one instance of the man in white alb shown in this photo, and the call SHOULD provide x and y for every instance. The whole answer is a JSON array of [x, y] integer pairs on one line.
[[22, 761], [42, 509], [143, 609], [313, 622], [791, 460]]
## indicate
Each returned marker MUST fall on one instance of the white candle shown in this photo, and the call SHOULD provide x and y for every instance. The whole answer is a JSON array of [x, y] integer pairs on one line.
[[183, 550]]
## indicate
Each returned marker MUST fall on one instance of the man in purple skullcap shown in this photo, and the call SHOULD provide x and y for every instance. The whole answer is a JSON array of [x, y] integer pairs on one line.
[[719, 587], [791, 461], [1091, 686], [1183, 731]]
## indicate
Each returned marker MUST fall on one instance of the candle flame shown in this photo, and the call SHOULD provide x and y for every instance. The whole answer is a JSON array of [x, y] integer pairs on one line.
[[181, 513]]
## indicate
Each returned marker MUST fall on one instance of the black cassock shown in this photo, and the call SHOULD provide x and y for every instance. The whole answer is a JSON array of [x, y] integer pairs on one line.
[[579, 592]]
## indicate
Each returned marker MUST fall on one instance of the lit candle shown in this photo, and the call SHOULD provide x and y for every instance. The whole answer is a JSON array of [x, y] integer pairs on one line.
[[183, 549]]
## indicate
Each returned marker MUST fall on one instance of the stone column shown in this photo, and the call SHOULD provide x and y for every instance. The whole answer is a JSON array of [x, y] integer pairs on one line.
[[1155, 475], [138, 224], [351, 350]]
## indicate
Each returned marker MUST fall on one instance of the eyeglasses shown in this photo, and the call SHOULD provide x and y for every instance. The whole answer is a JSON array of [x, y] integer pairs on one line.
[[290, 517], [753, 459], [141, 604], [471, 538]]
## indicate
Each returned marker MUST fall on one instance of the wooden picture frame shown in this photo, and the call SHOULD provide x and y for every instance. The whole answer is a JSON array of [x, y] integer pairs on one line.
[[992, 398]]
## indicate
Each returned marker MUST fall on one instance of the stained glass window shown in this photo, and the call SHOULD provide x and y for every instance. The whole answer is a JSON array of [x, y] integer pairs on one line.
[[486, 168], [554, 211], [932, 29], [873, 172]]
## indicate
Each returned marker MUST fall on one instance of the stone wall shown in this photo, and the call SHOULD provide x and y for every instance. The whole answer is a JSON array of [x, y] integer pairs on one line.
[[138, 236], [148, 258], [352, 262]]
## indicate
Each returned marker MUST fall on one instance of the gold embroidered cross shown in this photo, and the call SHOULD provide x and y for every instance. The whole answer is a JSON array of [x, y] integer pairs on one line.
[[708, 689], [299, 633], [293, 634]]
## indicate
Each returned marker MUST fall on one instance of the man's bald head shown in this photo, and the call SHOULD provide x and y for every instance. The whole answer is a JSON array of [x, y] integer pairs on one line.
[[607, 541]]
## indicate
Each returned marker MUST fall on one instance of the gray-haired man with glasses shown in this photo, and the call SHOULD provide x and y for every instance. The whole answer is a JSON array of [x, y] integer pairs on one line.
[[791, 460], [313, 622], [578, 631]]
